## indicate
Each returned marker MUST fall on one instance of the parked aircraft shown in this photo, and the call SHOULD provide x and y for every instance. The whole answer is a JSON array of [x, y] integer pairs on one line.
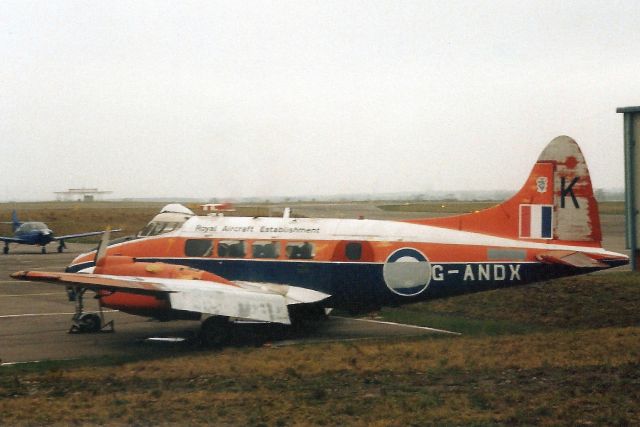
[[217, 268], [38, 233]]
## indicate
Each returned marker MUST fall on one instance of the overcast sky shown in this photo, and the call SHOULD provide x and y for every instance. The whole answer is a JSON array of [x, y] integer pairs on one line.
[[228, 99]]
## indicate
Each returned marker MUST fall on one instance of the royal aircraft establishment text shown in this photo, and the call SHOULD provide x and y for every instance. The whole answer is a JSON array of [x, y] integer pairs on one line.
[[252, 229]]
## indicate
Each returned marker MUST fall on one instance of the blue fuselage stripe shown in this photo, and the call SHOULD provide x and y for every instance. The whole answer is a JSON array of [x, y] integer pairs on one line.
[[361, 285]]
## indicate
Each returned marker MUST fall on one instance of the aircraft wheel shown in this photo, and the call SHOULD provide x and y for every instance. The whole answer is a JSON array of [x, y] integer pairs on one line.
[[59, 249], [5, 250], [214, 331], [43, 250], [89, 322], [306, 317]]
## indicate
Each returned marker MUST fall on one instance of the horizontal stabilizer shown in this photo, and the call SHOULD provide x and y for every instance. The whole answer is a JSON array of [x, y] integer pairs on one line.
[[570, 258]]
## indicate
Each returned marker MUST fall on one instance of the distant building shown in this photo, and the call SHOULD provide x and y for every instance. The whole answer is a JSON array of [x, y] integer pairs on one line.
[[80, 195], [218, 207]]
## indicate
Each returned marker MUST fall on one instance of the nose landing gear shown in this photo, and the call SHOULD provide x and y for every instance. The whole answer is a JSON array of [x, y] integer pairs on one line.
[[83, 322]]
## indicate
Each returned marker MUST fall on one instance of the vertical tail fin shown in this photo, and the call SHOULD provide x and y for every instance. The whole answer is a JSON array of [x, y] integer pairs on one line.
[[15, 222], [555, 204]]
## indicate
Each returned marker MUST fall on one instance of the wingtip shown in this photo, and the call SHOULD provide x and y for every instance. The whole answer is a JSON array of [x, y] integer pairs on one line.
[[19, 274]]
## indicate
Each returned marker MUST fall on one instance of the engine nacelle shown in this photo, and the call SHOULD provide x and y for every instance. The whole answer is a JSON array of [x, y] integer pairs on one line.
[[147, 305]]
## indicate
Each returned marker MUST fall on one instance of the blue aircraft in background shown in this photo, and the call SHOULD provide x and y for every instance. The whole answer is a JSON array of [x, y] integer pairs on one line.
[[37, 233]]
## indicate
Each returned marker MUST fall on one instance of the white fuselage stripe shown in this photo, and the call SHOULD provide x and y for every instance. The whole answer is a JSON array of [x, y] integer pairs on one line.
[[240, 228]]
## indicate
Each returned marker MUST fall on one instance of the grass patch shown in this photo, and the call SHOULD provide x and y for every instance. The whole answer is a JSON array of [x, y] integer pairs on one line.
[[455, 323]]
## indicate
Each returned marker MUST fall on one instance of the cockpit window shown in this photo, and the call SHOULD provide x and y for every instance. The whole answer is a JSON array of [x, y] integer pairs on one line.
[[158, 227], [32, 226], [170, 226], [147, 228]]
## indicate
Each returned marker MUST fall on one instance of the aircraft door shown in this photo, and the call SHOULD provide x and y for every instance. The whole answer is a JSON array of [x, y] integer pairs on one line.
[[354, 275]]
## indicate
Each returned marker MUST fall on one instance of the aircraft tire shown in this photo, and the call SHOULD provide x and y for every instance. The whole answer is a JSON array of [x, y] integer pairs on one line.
[[90, 322], [43, 250], [60, 249], [215, 331], [5, 250], [306, 317]]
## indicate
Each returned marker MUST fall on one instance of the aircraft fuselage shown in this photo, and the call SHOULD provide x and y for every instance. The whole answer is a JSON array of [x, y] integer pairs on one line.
[[362, 264]]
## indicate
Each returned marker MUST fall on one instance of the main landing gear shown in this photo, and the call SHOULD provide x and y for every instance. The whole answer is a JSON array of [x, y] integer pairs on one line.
[[61, 246], [215, 331], [5, 250], [81, 322]]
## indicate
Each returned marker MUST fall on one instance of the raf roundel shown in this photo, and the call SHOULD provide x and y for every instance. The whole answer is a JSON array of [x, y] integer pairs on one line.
[[407, 272]]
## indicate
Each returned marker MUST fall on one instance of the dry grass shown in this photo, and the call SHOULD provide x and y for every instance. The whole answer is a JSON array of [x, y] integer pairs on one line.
[[67, 218], [543, 378], [592, 301]]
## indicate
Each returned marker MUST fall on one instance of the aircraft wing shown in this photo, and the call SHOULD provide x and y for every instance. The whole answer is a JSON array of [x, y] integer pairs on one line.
[[245, 300], [89, 233], [11, 239], [570, 258]]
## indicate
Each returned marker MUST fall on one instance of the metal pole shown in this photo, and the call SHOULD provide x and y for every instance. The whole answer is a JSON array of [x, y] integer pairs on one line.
[[630, 180]]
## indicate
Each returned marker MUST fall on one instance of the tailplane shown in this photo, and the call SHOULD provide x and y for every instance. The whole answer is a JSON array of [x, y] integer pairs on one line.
[[556, 203]]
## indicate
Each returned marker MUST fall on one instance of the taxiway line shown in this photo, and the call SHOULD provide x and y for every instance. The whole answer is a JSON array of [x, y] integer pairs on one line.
[[4, 316], [31, 295], [424, 328]]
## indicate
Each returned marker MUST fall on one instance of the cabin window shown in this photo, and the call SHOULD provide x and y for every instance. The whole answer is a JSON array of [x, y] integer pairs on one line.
[[300, 250], [231, 249], [198, 247], [353, 251], [266, 249]]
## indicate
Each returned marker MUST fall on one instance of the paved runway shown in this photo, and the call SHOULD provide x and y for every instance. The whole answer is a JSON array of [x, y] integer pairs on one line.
[[35, 318]]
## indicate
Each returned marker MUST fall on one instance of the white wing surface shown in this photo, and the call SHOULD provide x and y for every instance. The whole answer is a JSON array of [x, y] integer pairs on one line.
[[246, 300]]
